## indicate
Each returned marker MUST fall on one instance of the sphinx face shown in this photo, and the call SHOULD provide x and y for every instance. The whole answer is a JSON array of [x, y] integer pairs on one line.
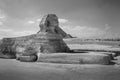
[[49, 23]]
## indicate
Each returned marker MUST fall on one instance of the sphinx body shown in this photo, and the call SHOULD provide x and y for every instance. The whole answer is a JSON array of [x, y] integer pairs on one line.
[[47, 40]]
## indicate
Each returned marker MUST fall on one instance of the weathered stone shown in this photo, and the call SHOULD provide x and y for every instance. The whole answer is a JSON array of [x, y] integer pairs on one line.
[[47, 40], [80, 58], [50, 24], [31, 58], [7, 48]]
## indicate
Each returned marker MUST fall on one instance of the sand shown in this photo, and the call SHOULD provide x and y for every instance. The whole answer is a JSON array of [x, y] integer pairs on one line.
[[11, 69]]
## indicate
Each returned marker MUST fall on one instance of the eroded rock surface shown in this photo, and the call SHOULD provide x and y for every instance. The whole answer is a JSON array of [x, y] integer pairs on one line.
[[50, 24], [47, 40]]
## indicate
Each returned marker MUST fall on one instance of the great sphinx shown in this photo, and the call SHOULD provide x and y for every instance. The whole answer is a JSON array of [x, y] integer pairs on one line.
[[49, 39]]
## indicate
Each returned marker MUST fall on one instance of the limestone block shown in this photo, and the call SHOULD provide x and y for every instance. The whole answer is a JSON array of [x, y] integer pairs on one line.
[[73, 58], [31, 58]]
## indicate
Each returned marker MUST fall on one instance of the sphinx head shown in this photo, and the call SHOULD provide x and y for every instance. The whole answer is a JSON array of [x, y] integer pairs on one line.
[[49, 23]]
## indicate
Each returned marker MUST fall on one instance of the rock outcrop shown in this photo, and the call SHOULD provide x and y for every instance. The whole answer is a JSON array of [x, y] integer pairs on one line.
[[47, 40]]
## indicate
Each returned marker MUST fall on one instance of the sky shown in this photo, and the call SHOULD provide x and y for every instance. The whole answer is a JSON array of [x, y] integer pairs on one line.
[[80, 18]]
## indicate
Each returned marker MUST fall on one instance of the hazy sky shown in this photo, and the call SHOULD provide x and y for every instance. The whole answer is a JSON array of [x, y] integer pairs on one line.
[[81, 18]]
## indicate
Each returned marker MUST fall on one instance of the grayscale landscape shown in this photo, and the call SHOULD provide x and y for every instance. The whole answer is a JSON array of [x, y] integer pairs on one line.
[[59, 40]]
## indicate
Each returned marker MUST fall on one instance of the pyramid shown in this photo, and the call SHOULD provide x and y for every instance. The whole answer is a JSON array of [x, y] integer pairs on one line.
[[47, 40]]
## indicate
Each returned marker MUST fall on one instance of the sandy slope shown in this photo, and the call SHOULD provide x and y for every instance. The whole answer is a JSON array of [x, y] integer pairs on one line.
[[14, 70]]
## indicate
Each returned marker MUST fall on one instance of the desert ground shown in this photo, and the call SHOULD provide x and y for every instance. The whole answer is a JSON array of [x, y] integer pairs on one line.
[[11, 69], [15, 70]]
